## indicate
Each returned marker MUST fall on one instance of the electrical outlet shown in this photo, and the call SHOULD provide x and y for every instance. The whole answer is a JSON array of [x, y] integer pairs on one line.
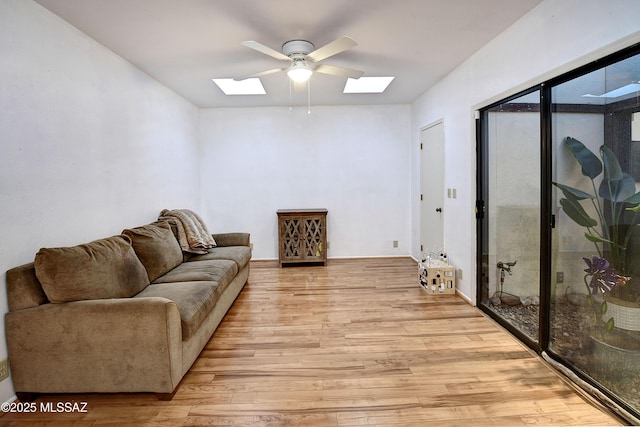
[[327, 245], [4, 369], [395, 243], [460, 274], [251, 246], [560, 277]]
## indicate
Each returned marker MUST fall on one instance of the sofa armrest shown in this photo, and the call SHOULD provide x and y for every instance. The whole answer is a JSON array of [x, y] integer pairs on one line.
[[232, 239], [109, 345]]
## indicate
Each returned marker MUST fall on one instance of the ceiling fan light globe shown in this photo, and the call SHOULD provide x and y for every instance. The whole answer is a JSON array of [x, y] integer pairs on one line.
[[299, 75], [299, 72]]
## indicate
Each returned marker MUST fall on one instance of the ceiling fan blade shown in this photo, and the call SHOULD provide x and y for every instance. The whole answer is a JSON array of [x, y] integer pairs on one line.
[[266, 50], [333, 48], [260, 74], [339, 71]]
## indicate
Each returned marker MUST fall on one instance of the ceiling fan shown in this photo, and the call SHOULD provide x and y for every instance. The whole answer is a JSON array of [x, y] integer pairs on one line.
[[303, 59]]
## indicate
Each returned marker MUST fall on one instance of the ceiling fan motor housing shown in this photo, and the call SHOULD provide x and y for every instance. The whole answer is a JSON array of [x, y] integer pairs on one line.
[[297, 48]]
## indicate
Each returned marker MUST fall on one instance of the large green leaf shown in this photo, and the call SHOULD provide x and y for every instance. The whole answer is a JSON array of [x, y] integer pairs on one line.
[[634, 200], [591, 164], [573, 193], [630, 217], [618, 190], [577, 213], [634, 208], [597, 239], [612, 169]]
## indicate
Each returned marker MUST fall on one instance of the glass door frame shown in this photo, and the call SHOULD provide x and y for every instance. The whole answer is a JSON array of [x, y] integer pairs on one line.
[[547, 217], [482, 191]]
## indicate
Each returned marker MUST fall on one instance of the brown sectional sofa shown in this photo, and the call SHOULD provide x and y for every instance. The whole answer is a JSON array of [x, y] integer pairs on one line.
[[129, 313]]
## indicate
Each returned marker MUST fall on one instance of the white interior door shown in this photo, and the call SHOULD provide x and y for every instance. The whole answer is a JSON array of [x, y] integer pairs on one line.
[[432, 189]]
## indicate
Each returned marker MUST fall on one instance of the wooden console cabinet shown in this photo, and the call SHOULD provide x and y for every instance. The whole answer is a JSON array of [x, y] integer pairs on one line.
[[302, 236]]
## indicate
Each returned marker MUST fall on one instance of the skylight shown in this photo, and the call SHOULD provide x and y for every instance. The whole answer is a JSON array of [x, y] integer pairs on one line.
[[252, 86], [367, 85], [621, 91]]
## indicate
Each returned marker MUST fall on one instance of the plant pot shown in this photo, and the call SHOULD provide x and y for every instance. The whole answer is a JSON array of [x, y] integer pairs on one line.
[[625, 314], [615, 353]]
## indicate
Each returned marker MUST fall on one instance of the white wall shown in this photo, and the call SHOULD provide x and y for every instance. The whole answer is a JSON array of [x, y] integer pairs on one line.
[[555, 37], [352, 160], [90, 144], [514, 185]]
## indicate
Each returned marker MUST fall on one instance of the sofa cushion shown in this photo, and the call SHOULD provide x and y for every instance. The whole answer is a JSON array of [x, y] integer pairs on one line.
[[240, 254], [221, 271], [195, 300], [105, 268], [156, 246], [232, 239]]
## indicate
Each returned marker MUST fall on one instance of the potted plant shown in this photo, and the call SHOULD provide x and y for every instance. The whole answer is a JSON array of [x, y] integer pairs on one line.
[[616, 205], [601, 278], [612, 348]]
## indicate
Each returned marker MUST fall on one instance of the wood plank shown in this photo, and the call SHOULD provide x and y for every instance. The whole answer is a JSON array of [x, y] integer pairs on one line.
[[356, 342]]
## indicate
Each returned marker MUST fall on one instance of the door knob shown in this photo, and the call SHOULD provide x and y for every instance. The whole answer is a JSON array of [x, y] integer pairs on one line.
[[438, 209]]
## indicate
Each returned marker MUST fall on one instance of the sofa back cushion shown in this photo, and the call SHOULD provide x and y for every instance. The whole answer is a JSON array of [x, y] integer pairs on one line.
[[156, 246], [105, 268]]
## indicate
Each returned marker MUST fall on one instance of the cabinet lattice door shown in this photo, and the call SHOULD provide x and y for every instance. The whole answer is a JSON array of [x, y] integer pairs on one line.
[[302, 235]]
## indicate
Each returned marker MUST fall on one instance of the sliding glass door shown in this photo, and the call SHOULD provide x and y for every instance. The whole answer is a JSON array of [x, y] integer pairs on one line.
[[594, 310], [511, 247], [559, 222]]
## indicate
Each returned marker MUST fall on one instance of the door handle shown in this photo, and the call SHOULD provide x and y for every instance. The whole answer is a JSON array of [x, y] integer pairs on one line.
[[438, 209]]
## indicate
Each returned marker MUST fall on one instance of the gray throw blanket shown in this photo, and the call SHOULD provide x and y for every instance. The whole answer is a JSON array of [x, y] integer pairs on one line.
[[193, 235]]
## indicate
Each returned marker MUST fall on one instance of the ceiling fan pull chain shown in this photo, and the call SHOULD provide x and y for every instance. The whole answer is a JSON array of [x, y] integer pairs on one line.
[[290, 95], [309, 96]]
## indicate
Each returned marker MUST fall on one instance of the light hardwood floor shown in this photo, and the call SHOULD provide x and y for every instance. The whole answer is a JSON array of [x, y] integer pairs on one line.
[[354, 343]]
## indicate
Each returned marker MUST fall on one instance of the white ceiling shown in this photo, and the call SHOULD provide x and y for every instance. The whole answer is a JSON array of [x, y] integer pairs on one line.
[[186, 43]]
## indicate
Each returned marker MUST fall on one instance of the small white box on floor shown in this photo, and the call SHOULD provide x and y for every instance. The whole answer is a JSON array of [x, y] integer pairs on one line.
[[437, 277]]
